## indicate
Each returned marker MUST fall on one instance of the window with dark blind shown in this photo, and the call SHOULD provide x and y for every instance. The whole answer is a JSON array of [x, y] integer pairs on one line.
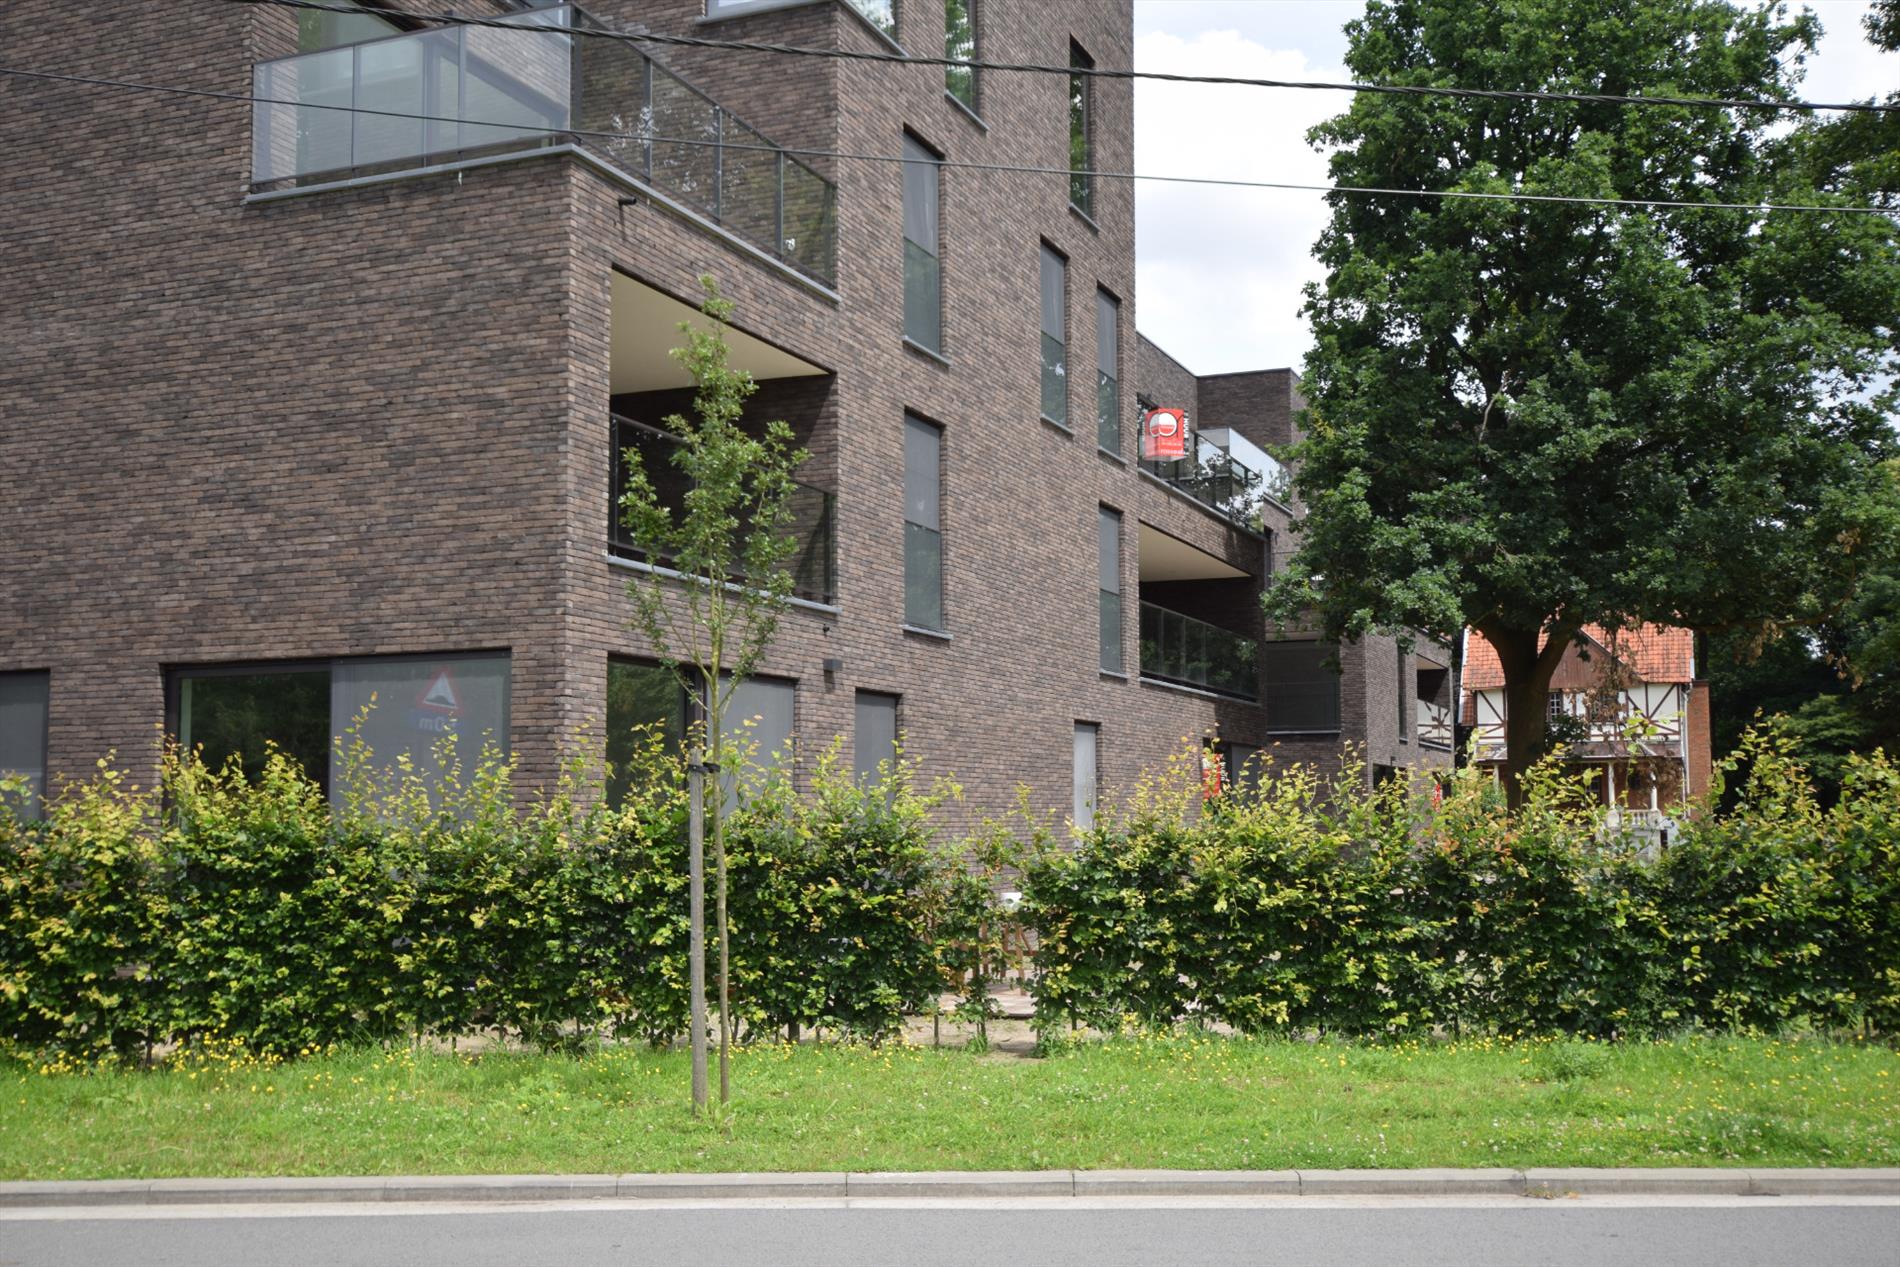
[[1108, 533], [1302, 688], [1055, 325], [875, 741], [923, 267], [923, 524]]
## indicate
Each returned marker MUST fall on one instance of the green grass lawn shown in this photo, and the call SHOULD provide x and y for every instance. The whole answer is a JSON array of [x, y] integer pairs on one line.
[[1165, 1102]]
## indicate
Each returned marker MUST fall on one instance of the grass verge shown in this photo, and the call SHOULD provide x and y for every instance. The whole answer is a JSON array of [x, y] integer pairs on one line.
[[1178, 1102]]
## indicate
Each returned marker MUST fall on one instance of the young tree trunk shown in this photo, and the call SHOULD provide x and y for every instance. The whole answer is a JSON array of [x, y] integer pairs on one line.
[[719, 868], [696, 919]]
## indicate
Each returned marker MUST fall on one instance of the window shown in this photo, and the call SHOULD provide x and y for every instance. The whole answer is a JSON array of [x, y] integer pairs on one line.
[[759, 718], [1407, 693], [23, 708], [923, 527], [1081, 128], [959, 44], [1243, 765], [1055, 373], [241, 714], [643, 701], [438, 712], [1108, 534], [1302, 689], [1108, 404], [875, 743], [1087, 773], [923, 270]]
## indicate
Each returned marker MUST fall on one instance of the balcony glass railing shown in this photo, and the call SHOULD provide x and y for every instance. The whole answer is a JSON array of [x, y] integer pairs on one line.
[[1216, 479], [462, 92], [1189, 652], [813, 565]]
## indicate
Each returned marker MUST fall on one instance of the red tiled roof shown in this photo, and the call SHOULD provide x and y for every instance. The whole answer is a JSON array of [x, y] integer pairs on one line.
[[1654, 653]]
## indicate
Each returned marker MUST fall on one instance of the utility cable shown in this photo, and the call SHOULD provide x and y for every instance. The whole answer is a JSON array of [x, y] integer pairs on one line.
[[1094, 72], [1007, 168]]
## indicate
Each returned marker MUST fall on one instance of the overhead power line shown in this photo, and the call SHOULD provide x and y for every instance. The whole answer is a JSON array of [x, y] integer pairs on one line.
[[1095, 72], [1006, 168]]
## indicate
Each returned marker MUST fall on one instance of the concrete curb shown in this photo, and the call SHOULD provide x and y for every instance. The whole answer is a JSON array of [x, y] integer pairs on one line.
[[1557, 1182]]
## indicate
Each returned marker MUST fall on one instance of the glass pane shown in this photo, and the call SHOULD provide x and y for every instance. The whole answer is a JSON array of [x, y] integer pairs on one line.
[[959, 43], [1087, 781], [923, 473], [639, 696], [879, 13], [923, 297], [920, 196], [811, 227], [1111, 631], [23, 709], [1108, 549], [876, 739], [1054, 283], [522, 78], [1107, 318], [748, 193], [389, 79], [318, 30], [923, 577], [611, 96], [1081, 185], [682, 115], [1108, 431], [312, 133], [242, 715], [1055, 381], [1302, 690], [759, 717], [439, 713]]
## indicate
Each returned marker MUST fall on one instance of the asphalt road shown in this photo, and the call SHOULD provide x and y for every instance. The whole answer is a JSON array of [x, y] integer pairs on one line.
[[1388, 1232]]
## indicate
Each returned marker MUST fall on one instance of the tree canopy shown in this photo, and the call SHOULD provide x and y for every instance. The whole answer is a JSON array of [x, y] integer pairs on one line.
[[1527, 416]]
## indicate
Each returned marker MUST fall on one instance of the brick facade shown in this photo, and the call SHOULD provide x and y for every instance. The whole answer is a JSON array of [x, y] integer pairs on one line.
[[375, 420]]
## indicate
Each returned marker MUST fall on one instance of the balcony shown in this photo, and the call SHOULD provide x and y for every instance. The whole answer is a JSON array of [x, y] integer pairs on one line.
[[1184, 651], [1434, 725], [458, 93], [813, 523], [1226, 472]]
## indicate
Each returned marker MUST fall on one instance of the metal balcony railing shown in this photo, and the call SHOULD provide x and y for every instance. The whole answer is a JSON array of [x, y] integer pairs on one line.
[[1211, 476], [1189, 652], [814, 565], [445, 94]]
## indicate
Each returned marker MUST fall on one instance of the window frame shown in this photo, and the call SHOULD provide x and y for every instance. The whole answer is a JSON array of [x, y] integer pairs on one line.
[[1108, 387], [1108, 549], [1081, 103], [1268, 650], [971, 10], [917, 425], [36, 805], [926, 154], [858, 701], [1058, 368]]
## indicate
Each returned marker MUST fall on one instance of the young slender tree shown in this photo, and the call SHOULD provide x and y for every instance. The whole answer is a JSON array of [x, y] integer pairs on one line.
[[711, 605], [1530, 416]]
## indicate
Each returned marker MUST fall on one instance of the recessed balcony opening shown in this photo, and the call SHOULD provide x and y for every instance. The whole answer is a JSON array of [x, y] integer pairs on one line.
[[650, 386], [1431, 701], [1200, 618]]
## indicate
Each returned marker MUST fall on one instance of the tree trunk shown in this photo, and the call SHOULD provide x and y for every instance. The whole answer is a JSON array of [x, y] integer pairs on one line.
[[696, 919], [719, 868], [1527, 674]]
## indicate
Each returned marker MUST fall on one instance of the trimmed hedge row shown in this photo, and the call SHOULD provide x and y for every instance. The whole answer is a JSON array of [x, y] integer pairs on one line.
[[1295, 908], [208, 906], [260, 913]]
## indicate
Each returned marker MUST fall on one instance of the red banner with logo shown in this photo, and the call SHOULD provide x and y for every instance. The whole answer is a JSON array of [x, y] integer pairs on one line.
[[1164, 434]]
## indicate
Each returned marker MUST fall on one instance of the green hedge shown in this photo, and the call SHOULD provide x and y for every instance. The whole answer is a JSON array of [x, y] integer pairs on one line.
[[1301, 908], [261, 914], [208, 906]]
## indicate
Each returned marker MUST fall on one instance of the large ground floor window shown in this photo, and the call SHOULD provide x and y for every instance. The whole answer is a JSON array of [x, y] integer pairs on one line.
[[645, 701], [434, 714], [23, 708]]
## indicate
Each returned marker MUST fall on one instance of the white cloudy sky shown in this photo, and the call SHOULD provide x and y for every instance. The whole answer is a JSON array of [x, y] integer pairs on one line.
[[1219, 270]]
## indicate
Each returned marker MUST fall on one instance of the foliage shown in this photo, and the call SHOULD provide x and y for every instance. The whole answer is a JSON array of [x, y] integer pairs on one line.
[[1299, 907], [211, 908], [1528, 416]]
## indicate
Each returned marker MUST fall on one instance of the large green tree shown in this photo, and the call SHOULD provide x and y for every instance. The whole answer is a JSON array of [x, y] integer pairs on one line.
[[1528, 416]]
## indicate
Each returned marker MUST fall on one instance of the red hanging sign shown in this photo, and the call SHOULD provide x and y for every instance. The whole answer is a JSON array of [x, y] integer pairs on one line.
[[1164, 434]]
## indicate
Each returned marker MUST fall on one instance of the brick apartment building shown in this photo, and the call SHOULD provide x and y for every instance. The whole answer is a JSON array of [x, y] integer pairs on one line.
[[306, 404]]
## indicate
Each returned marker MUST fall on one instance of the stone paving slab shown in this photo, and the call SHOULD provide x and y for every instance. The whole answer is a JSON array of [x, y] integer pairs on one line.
[[1543, 1182]]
